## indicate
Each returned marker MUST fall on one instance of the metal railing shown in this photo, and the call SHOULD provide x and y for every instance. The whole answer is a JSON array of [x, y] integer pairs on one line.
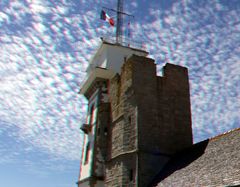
[[126, 42]]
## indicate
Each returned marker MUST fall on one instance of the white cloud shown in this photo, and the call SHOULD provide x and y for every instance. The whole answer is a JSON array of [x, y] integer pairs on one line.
[[44, 65], [38, 6], [38, 95], [39, 27], [4, 18], [134, 4]]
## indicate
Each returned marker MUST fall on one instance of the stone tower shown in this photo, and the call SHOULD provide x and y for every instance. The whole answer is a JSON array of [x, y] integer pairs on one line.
[[136, 119]]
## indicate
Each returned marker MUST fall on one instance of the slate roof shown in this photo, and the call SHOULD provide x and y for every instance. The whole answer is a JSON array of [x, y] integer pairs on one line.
[[213, 163]]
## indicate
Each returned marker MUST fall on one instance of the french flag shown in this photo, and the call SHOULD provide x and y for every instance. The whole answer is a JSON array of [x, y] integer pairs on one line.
[[106, 17]]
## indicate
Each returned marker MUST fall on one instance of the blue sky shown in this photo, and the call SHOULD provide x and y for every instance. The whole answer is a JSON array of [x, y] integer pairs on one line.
[[45, 47]]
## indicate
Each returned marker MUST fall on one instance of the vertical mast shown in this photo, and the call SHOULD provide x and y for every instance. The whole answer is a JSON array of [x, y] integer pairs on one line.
[[119, 21]]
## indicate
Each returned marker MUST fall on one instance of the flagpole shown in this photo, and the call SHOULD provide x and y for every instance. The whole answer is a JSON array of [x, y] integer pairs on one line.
[[119, 35], [119, 22]]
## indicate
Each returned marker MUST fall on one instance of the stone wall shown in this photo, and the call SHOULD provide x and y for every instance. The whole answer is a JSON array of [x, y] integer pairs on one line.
[[121, 171], [174, 109], [145, 87], [123, 138], [114, 172], [150, 120], [123, 129], [101, 143]]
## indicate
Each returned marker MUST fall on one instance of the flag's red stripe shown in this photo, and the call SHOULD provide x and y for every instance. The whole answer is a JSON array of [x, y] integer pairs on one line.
[[111, 21]]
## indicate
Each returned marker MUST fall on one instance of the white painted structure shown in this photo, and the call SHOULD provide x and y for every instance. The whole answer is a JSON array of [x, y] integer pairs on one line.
[[112, 56], [86, 163], [107, 61]]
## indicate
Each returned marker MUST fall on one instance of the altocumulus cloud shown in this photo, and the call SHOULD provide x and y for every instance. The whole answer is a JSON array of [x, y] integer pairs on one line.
[[45, 47], [44, 52]]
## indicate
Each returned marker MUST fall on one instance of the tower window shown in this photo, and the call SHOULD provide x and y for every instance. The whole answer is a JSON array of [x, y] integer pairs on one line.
[[129, 119], [105, 131], [87, 153], [131, 177], [98, 131]]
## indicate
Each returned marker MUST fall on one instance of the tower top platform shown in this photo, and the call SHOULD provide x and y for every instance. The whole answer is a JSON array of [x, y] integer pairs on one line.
[[108, 61], [111, 55]]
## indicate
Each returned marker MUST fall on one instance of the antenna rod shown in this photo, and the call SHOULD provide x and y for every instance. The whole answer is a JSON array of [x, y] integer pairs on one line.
[[119, 22]]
